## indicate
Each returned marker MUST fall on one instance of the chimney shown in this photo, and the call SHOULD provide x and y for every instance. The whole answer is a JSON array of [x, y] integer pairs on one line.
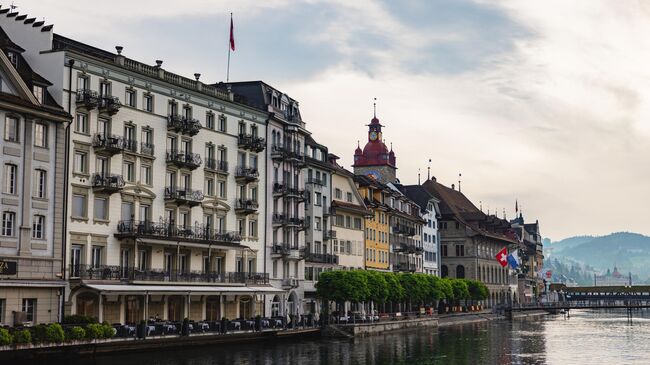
[[453, 187]]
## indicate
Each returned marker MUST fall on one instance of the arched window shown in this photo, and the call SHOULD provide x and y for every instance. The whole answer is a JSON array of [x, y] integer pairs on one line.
[[273, 139], [444, 271], [460, 272]]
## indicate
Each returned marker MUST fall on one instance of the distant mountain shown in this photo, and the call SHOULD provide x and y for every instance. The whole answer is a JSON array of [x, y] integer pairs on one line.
[[630, 252]]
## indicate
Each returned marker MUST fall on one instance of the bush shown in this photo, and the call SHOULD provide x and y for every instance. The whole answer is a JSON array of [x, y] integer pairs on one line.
[[107, 330], [76, 333], [54, 333], [78, 319], [94, 331], [5, 337], [22, 337]]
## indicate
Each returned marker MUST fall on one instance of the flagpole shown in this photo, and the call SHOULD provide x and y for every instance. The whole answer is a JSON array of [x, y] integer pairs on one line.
[[229, 46]]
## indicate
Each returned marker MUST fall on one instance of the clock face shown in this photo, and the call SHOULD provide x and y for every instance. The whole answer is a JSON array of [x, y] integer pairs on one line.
[[373, 135]]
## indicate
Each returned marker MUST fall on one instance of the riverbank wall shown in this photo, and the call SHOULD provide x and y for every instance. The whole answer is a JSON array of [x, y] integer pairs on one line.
[[365, 329], [73, 350]]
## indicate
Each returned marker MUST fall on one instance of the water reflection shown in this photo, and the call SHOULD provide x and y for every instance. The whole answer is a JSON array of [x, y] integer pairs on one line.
[[584, 338]]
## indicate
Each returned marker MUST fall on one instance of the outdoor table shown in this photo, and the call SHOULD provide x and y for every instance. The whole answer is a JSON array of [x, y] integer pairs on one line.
[[150, 329], [266, 323], [251, 324], [169, 328], [236, 325], [130, 330], [203, 326]]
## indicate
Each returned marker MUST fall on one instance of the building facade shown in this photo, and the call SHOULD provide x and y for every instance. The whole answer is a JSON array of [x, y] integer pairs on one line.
[[166, 175], [469, 242], [31, 285], [429, 212], [286, 224]]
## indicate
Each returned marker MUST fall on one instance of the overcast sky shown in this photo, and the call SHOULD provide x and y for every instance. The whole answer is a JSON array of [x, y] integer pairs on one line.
[[540, 101]]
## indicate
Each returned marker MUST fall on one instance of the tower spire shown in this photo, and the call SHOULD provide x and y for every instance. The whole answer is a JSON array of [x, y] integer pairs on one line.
[[429, 170], [418, 176], [459, 175], [374, 108]]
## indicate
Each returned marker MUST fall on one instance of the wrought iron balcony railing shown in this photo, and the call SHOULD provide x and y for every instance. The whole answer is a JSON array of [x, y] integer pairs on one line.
[[216, 165], [184, 159], [183, 196], [128, 274], [184, 125], [323, 258], [107, 144], [328, 234], [251, 142], [147, 148], [109, 104], [107, 183], [169, 231], [246, 206], [246, 173], [87, 99]]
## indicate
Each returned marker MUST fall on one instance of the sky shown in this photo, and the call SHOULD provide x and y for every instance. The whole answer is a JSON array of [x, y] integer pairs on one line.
[[540, 102]]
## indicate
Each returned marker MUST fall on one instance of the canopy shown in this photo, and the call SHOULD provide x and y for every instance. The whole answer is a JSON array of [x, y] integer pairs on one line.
[[184, 289]]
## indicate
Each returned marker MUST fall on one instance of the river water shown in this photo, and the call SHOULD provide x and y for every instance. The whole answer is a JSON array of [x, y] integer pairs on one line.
[[587, 337]]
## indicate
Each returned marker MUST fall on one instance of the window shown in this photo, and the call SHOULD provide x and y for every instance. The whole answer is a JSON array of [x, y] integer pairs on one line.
[[209, 186], [443, 250], [317, 199], [11, 183], [127, 211], [349, 197], [29, 307], [12, 58], [145, 174], [8, 224], [142, 260], [252, 228], [129, 98], [101, 208], [460, 250], [147, 102], [80, 162], [38, 227], [241, 226], [187, 112], [82, 83], [221, 126], [104, 89], [79, 206], [209, 120], [11, 129], [338, 193], [254, 194], [38, 93], [348, 224], [129, 171], [81, 124], [222, 189], [96, 257], [75, 261], [357, 223], [317, 223], [40, 135], [145, 212], [40, 183]]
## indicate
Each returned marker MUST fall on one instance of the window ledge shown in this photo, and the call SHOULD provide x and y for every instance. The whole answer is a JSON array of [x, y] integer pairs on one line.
[[79, 219], [101, 221]]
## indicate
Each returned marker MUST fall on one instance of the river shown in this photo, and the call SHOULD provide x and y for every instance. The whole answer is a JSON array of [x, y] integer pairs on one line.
[[586, 337]]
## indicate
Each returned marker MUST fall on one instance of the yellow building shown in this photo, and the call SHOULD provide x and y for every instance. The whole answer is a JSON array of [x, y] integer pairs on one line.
[[377, 231]]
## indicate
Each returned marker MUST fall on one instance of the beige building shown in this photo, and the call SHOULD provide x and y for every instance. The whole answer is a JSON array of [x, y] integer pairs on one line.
[[31, 284]]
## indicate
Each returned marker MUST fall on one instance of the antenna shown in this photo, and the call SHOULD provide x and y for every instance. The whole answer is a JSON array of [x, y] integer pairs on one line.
[[429, 170], [374, 108], [418, 176], [459, 175]]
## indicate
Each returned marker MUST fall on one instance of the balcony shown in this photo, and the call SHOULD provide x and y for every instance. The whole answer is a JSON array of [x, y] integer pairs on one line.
[[129, 274], [247, 174], [251, 142], [404, 267], [321, 258], [183, 196], [184, 125], [216, 165], [109, 104], [280, 153], [328, 234], [87, 99], [183, 159], [130, 145], [289, 192], [407, 231], [279, 219], [147, 149], [107, 183], [315, 181], [168, 231], [297, 222], [246, 206], [107, 144], [289, 283]]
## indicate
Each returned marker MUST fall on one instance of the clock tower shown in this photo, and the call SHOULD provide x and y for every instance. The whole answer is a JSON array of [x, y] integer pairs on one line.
[[375, 159]]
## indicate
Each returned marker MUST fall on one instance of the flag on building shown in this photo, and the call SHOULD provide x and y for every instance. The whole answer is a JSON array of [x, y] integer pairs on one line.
[[232, 34], [502, 257], [513, 260]]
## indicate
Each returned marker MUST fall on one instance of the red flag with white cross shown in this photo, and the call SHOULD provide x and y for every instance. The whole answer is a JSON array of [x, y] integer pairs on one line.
[[502, 257]]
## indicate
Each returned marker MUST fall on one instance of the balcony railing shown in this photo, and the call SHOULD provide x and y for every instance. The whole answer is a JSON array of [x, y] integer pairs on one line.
[[147, 148], [87, 99], [246, 173], [404, 267], [184, 159], [183, 196], [328, 234], [315, 181], [407, 231], [120, 273], [107, 144], [287, 154], [107, 183], [251, 142], [109, 104], [184, 125], [169, 231], [130, 145], [216, 165], [288, 251], [288, 191], [280, 219], [246, 206], [322, 258]]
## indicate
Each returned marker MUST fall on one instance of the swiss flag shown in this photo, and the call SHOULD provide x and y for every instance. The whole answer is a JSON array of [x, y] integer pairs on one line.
[[502, 257], [232, 34]]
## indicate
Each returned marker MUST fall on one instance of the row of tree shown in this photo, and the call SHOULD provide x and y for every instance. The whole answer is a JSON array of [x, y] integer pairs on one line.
[[403, 289]]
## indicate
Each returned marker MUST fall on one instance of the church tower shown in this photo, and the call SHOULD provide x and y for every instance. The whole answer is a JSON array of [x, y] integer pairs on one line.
[[375, 159]]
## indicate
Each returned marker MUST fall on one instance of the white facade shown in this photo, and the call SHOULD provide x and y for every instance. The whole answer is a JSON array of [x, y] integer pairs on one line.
[[430, 239]]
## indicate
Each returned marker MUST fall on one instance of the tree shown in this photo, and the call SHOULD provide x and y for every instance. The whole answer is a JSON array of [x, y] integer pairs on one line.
[[460, 289], [377, 287], [477, 290]]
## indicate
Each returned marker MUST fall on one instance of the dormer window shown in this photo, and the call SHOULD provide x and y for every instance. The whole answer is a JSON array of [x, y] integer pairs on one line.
[[13, 58], [38, 93]]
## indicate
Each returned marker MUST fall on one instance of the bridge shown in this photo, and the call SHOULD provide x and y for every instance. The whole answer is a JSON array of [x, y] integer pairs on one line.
[[590, 297]]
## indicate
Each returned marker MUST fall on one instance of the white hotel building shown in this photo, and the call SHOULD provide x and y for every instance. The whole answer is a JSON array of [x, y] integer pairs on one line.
[[166, 186]]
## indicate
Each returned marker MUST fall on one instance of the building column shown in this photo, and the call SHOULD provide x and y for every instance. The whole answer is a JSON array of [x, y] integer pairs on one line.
[[145, 312], [100, 313], [187, 307], [165, 307], [122, 309]]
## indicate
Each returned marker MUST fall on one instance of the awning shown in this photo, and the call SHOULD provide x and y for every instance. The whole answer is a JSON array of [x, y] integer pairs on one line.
[[32, 284], [183, 289]]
